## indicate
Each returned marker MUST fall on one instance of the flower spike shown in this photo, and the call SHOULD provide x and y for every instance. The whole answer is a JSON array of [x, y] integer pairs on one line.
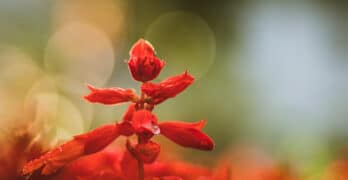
[[168, 88], [139, 120], [110, 95], [143, 63]]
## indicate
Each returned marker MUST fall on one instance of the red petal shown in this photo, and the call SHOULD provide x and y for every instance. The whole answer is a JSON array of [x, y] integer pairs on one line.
[[145, 123], [81, 145], [99, 138], [110, 95], [56, 158], [126, 127], [142, 48], [168, 88], [129, 113], [187, 134], [143, 64], [147, 152]]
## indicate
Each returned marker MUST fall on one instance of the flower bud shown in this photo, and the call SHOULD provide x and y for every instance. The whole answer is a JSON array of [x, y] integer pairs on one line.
[[110, 95], [147, 152], [143, 63]]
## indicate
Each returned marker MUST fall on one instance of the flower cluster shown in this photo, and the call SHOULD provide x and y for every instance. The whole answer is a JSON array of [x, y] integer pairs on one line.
[[139, 120]]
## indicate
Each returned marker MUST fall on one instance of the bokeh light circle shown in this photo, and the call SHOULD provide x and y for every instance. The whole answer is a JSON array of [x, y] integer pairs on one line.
[[81, 53], [18, 70], [185, 41], [17, 73], [107, 15], [53, 117]]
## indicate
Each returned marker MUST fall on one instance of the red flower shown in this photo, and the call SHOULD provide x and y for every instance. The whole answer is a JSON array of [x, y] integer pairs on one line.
[[168, 88], [119, 165], [103, 165], [187, 134], [138, 119], [179, 169], [83, 144], [145, 124], [110, 95], [143, 64], [165, 178], [146, 152], [99, 138], [126, 127], [337, 170], [128, 116]]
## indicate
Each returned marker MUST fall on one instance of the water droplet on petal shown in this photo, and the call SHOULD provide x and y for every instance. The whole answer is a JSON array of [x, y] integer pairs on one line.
[[156, 129]]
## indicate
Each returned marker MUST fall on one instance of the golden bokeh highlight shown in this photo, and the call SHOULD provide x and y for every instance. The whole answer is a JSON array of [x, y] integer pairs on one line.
[[107, 15], [18, 70], [79, 53], [55, 117]]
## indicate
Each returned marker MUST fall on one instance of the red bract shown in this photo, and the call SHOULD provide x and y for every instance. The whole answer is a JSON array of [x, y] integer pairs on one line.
[[128, 116], [55, 158], [138, 120], [187, 134], [145, 124], [168, 88], [147, 152], [99, 138], [143, 64], [110, 95], [126, 127], [83, 144]]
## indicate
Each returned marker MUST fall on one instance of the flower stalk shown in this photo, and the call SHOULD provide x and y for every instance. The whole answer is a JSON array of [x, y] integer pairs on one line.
[[140, 166]]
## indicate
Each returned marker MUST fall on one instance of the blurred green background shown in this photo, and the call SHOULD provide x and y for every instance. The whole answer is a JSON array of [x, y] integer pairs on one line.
[[271, 75]]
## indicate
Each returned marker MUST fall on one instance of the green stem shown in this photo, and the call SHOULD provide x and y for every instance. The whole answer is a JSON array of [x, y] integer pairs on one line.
[[140, 163]]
